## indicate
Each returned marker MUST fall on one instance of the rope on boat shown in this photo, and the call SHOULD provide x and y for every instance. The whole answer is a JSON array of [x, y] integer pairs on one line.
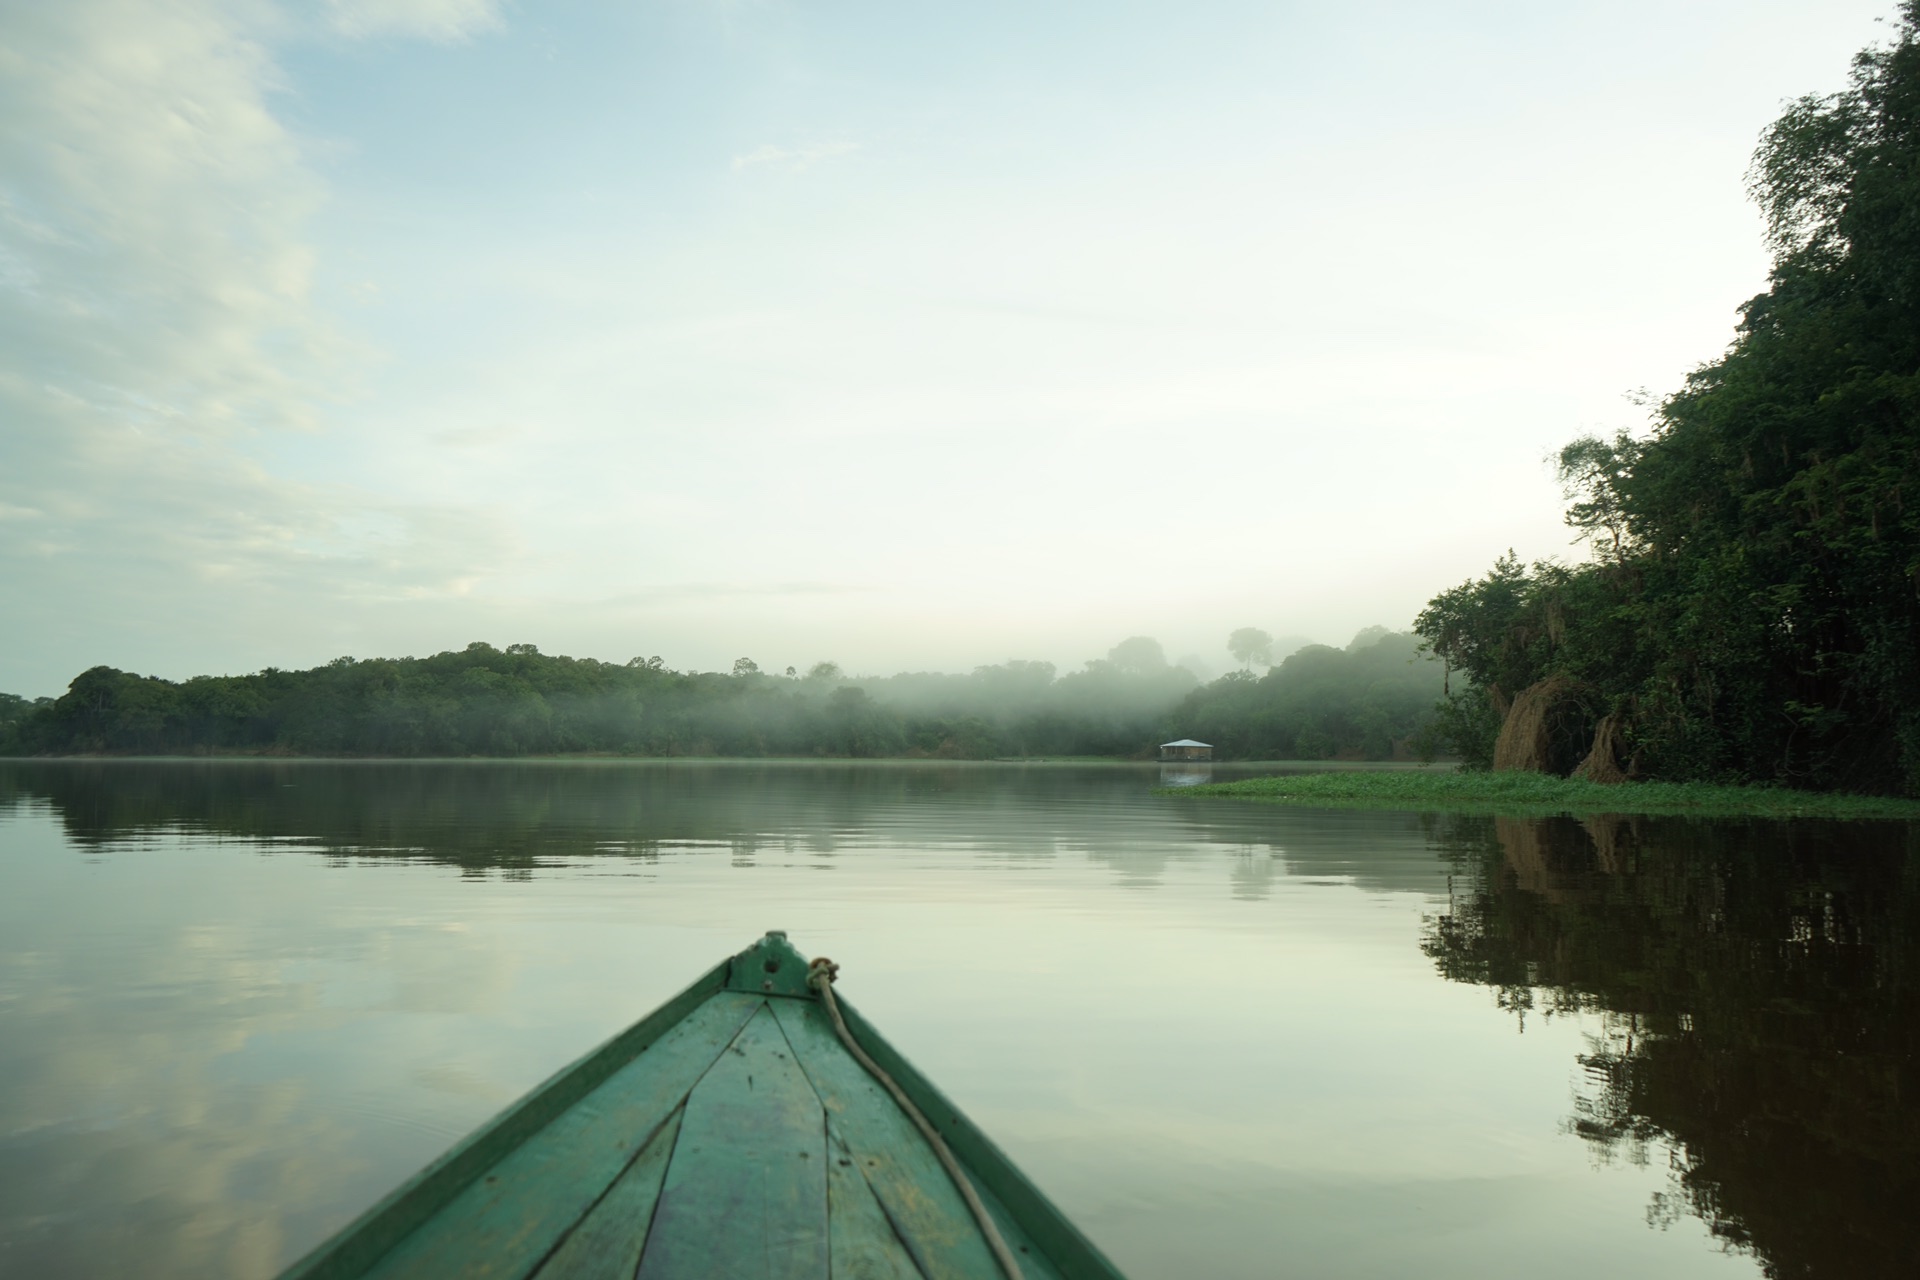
[[820, 976]]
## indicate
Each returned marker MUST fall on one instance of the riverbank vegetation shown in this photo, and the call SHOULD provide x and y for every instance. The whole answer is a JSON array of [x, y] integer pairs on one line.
[[1367, 700], [1751, 612], [1525, 794]]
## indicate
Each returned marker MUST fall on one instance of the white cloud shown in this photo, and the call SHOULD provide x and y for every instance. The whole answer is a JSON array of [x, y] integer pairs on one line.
[[158, 335], [443, 20], [150, 215], [794, 159]]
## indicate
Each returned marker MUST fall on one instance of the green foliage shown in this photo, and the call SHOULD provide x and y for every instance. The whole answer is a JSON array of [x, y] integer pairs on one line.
[[1366, 702], [517, 701], [15, 712], [1754, 609], [1477, 627], [1592, 472], [1515, 626], [1536, 795], [1466, 722]]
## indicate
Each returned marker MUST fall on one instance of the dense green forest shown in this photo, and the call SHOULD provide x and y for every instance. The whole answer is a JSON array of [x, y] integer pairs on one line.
[[1368, 701], [1752, 609], [1365, 702]]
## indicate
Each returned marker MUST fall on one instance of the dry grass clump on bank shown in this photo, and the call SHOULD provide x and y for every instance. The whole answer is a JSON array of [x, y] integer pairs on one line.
[[1537, 794]]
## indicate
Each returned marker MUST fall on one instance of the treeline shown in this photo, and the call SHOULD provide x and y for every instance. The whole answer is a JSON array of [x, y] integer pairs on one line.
[[1752, 610], [487, 701], [1372, 700], [518, 701]]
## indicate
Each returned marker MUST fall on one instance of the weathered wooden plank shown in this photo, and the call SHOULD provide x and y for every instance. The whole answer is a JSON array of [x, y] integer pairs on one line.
[[363, 1242], [861, 1241], [606, 1244], [907, 1178], [746, 1190], [505, 1222]]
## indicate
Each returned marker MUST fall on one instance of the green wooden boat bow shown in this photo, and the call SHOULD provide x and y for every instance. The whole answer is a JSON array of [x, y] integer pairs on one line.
[[730, 1133]]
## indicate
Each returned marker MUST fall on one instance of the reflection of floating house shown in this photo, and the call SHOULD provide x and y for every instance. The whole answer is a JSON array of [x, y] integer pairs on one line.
[[1186, 749]]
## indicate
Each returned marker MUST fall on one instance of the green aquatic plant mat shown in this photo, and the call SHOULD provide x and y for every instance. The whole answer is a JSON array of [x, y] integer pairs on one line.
[[1535, 794]]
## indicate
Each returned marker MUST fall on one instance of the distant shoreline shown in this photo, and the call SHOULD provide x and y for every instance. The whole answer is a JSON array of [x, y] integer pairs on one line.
[[280, 757], [1539, 795]]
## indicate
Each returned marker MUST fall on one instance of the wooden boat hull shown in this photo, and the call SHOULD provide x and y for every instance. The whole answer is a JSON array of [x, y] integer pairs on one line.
[[728, 1133]]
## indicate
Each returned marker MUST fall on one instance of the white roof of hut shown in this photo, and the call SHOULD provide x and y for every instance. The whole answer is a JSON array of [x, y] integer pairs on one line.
[[1186, 742]]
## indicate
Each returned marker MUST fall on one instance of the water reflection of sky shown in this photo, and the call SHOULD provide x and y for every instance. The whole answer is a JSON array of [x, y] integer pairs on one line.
[[237, 1002]]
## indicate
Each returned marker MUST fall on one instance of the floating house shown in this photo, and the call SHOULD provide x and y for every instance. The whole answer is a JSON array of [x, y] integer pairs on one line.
[[1186, 749]]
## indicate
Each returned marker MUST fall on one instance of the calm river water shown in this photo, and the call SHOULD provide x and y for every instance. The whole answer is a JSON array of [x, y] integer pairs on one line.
[[240, 1001]]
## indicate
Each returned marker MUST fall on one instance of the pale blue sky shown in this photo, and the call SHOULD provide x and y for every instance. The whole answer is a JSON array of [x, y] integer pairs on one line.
[[907, 336]]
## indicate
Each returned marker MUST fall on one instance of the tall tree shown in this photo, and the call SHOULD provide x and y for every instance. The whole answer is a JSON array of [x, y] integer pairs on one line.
[[1140, 655], [1250, 645]]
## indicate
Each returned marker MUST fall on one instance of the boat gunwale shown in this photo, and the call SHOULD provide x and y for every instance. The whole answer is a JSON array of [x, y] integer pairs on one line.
[[1060, 1242]]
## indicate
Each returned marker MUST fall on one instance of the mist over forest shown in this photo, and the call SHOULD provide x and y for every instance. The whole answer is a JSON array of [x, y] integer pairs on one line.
[[1371, 700]]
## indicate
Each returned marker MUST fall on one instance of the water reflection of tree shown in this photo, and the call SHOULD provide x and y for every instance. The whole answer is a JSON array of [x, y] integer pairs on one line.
[[494, 817], [512, 818], [1756, 986]]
